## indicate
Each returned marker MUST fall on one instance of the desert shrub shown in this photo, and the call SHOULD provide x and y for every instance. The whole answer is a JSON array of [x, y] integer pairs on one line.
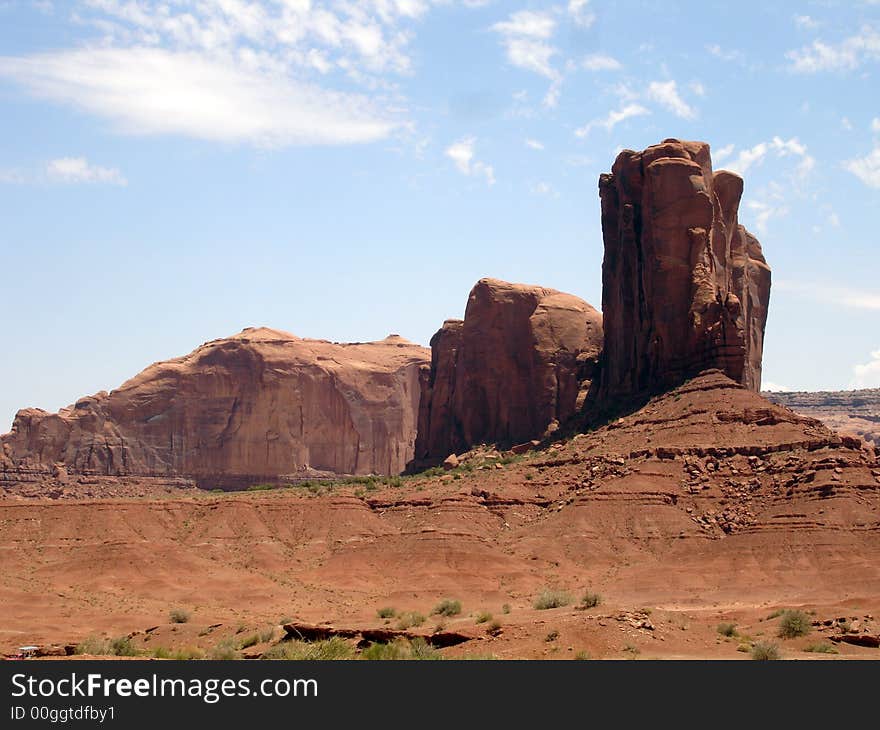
[[794, 624], [331, 649], [764, 651], [822, 649], [409, 619], [744, 647], [776, 614], [447, 607], [122, 646], [186, 654], [224, 650], [550, 598], [401, 650], [505, 609], [591, 600], [178, 616], [726, 629], [482, 617], [494, 627], [249, 641], [583, 656], [386, 612], [552, 636], [394, 481]]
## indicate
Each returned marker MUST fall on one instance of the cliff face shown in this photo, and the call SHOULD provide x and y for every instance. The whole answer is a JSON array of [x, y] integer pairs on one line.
[[684, 286], [254, 406], [513, 367]]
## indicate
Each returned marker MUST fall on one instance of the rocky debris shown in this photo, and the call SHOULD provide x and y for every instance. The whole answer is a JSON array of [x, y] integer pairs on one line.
[[319, 632], [684, 286], [635, 619], [517, 366], [856, 630], [235, 412]]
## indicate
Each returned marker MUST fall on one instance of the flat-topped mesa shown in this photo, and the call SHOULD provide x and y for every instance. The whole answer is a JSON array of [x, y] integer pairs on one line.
[[257, 406], [684, 286], [520, 362]]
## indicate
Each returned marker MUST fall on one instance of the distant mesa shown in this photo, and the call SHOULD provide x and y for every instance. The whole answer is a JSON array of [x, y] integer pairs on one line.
[[252, 407], [519, 363], [685, 287]]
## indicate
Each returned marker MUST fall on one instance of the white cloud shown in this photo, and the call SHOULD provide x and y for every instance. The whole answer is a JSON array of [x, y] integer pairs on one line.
[[666, 94], [722, 153], [269, 73], [831, 294], [80, 170], [525, 35], [782, 148], [600, 62], [875, 124], [697, 88], [157, 91], [545, 189], [867, 375], [805, 22], [734, 56], [849, 54], [613, 118], [580, 12], [534, 144], [764, 211], [462, 154], [866, 168]]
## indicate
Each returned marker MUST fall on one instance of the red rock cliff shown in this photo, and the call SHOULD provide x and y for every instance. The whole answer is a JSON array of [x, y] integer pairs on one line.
[[684, 286], [239, 410], [514, 366]]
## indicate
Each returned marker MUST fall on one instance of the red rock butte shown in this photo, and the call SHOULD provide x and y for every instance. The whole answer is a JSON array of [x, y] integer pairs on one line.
[[517, 365], [684, 286], [258, 406]]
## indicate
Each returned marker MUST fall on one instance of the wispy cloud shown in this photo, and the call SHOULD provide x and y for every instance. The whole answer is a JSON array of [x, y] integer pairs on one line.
[[756, 155], [832, 294], [867, 168], [666, 94], [848, 54], [600, 62], [580, 12], [462, 153], [526, 35], [805, 22], [534, 144], [545, 189], [613, 118], [80, 170]]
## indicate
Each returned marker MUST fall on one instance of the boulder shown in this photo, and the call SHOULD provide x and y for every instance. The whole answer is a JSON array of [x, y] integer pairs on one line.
[[258, 406], [684, 286], [519, 364]]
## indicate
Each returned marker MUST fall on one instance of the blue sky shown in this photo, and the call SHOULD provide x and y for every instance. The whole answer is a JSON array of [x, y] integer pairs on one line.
[[173, 171]]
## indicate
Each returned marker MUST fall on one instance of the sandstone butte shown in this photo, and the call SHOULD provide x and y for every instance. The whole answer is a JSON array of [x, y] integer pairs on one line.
[[684, 286], [260, 405], [517, 365]]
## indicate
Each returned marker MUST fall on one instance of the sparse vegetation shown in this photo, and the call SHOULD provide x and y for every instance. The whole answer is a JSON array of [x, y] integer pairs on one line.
[[482, 617], [727, 629], [776, 614], [401, 649], [505, 609], [386, 612], [822, 649], [409, 619], [583, 656], [333, 648], [591, 600], [764, 651], [494, 627], [632, 650], [447, 607], [550, 598], [745, 647], [179, 616], [552, 636], [224, 650], [794, 624], [102, 646], [185, 654]]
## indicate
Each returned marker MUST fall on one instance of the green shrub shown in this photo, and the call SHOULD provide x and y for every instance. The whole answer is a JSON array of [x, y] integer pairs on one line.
[[249, 641], [482, 617], [401, 650], [332, 649], [447, 607], [822, 649], [764, 651], [549, 598], [591, 600], [583, 656], [224, 650], [505, 609], [410, 619], [386, 612], [726, 629], [794, 624], [101, 646], [632, 650], [494, 627], [178, 616], [122, 646]]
